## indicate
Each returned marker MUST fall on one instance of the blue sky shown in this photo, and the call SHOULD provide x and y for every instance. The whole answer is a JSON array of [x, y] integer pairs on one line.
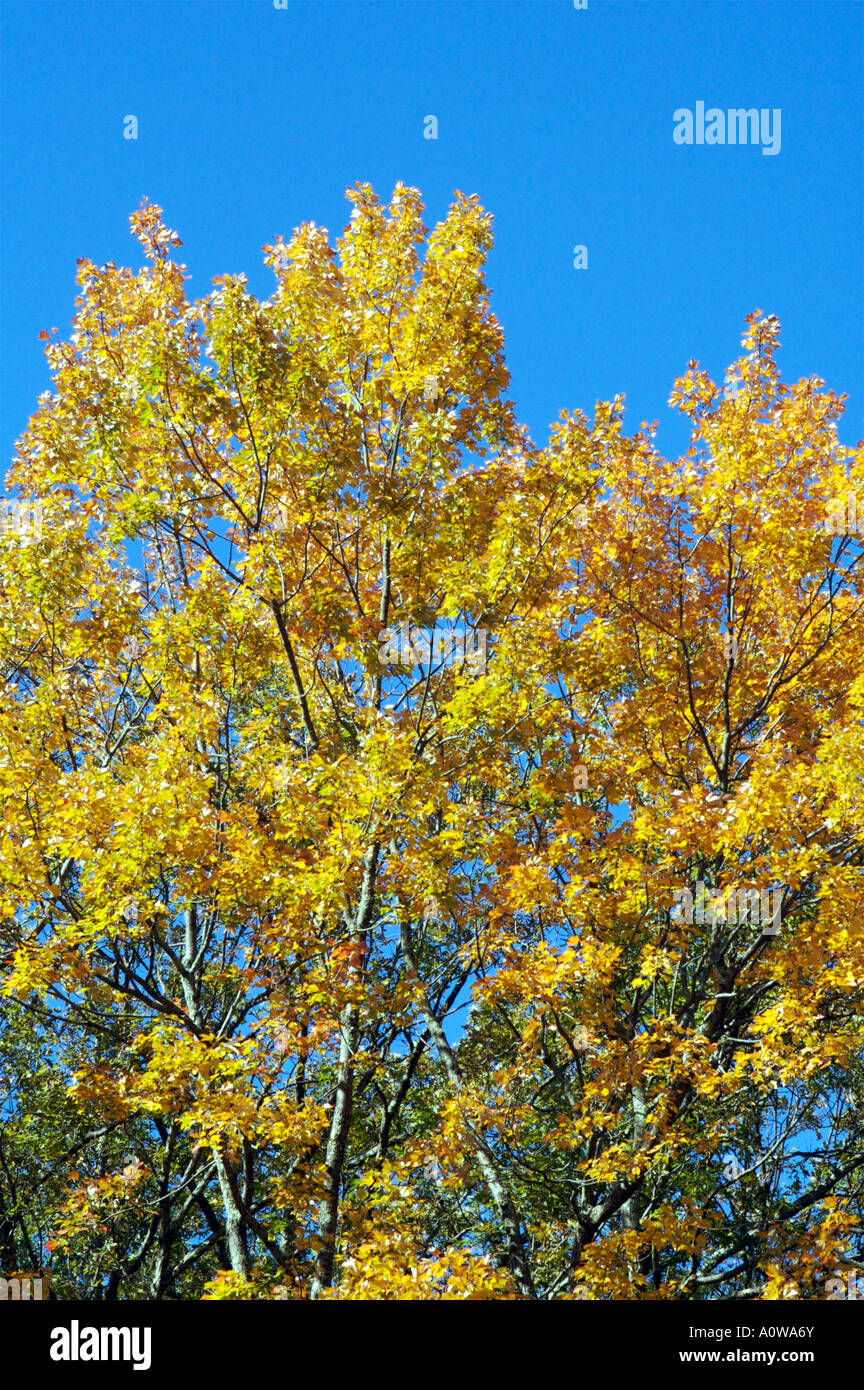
[[252, 120]]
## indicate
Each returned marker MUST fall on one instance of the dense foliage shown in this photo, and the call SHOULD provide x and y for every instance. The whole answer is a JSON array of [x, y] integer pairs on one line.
[[330, 976]]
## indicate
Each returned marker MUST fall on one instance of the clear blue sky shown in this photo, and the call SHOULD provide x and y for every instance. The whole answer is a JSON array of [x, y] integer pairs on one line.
[[252, 120]]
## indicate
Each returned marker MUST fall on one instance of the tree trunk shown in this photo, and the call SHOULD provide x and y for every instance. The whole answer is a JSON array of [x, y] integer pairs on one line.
[[235, 1226], [337, 1144]]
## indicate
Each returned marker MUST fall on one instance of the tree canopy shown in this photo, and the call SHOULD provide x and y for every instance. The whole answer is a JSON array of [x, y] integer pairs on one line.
[[345, 959]]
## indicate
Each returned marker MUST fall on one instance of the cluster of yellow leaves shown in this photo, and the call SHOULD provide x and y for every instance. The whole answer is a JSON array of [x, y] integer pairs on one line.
[[222, 816]]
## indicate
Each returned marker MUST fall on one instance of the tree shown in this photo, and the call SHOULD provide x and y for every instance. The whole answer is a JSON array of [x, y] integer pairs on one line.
[[332, 706]]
